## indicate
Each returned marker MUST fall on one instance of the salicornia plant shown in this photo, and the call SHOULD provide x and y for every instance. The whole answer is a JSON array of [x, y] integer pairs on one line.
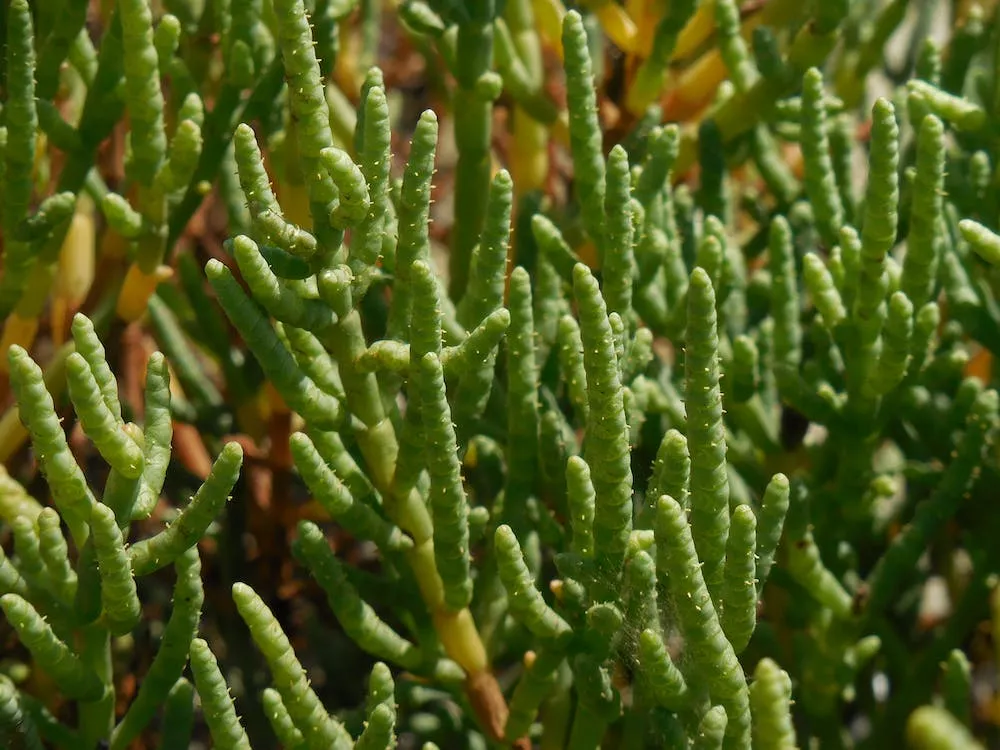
[[600, 400], [66, 613]]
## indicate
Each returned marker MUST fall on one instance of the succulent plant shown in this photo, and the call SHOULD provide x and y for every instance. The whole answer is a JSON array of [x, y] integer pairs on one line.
[[673, 453]]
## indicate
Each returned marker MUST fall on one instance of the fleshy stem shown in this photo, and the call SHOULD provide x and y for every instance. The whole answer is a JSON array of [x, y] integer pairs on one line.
[[379, 445], [472, 105]]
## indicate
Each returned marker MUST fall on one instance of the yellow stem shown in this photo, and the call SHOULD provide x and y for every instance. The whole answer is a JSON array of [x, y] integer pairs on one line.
[[17, 331], [619, 26], [137, 289], [696, 33], [549, 16]]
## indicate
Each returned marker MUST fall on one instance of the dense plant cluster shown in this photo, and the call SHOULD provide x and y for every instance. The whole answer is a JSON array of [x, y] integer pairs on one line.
[[605, 376]]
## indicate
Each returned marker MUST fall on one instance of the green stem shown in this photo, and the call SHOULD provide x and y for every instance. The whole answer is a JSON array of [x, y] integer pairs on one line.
[[473, 130], [217, 133], [97, 719]]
